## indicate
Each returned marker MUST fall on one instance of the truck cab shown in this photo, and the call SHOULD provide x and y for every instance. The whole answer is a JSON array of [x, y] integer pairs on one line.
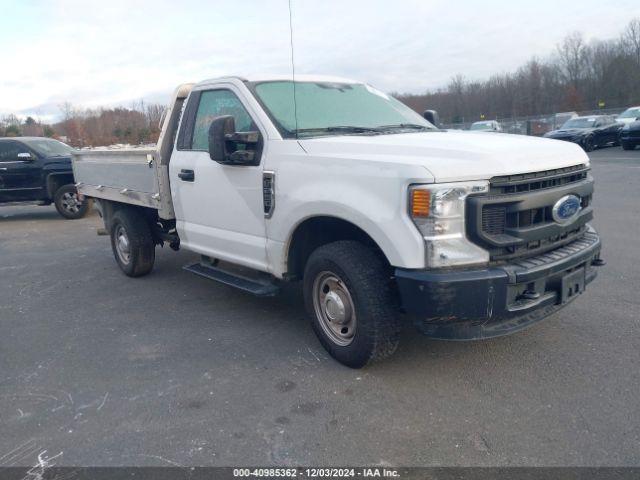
[[35, 169], [382, 216]]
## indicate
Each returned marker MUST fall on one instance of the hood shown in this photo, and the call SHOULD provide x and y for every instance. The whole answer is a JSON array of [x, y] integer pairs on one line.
[[453, 155], [56, 162], [57, 159], [569, 132]]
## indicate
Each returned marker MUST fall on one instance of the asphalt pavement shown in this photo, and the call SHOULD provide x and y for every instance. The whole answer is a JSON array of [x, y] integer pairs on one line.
[[173, 369]]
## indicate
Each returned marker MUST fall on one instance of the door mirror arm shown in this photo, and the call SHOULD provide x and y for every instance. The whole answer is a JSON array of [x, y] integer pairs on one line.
[[224, 143]]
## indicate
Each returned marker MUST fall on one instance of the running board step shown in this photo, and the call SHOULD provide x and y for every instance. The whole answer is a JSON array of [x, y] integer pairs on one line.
[[259, 287]]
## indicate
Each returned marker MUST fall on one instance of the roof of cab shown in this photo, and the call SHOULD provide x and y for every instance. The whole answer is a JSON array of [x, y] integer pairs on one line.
[[280, 78]]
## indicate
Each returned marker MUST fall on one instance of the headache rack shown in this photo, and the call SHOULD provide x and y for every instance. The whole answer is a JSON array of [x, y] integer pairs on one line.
[[514, 219]]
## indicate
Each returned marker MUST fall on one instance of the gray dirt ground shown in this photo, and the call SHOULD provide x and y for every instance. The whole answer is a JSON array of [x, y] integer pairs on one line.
[[175, 369]]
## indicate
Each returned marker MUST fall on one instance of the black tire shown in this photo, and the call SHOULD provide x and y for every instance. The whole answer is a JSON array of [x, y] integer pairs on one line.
[[588, 144], [628, 146], [128, 225], [367, 279], [67, 202]]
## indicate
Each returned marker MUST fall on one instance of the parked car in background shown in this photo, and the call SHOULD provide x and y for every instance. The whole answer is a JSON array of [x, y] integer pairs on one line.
[[486, 126], [561, 118], [35, 169], [589, 132], [630, 135], [630, 115]]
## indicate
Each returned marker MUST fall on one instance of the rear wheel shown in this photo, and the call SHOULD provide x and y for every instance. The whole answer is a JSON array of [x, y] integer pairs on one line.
[[132, 243], [68, 202], [349, 296]]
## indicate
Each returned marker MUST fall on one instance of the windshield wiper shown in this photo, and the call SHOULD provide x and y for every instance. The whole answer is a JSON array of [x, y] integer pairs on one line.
[[413, 126], [340, 128]]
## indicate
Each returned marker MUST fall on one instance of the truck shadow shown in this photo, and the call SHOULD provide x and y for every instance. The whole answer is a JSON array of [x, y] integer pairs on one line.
[[34, 213], [18, 215]]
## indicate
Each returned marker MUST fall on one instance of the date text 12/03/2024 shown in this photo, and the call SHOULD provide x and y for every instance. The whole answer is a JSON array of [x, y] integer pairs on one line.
[[316, 472]]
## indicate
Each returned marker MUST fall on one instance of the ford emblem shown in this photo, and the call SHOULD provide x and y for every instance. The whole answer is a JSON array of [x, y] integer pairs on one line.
[[566, 209]]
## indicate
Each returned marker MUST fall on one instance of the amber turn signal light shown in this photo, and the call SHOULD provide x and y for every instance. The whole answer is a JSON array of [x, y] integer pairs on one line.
[[420, 203]]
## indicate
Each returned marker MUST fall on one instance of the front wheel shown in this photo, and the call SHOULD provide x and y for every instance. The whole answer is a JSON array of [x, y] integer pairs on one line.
[[349, 296], [628, 146], [68, 203], [132, 243], [587, 144]]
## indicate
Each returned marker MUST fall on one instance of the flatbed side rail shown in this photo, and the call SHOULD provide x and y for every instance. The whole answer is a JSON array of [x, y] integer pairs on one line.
[[120, 175]]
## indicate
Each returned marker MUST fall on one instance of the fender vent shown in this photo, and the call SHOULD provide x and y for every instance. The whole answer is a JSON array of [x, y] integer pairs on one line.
[[269, 193]]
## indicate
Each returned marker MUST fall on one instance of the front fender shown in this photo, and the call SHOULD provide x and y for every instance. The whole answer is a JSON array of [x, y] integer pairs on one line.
[[380, 212], [55, 179]]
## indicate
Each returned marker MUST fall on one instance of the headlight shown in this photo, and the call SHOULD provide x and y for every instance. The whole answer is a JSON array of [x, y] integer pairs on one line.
[[438, 210], [627, 126]]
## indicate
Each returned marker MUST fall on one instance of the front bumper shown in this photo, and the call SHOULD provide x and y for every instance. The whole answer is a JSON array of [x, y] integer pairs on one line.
[[495, 301], [630, 136]]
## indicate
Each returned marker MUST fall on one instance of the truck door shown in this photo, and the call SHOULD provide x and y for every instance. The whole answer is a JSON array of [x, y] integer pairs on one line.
[[218, 208], [19, 173]]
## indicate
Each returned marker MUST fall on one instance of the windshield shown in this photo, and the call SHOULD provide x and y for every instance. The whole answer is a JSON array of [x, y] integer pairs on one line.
[[49, 148], [324, 108], [580, 123], [482, 126], [630, 113]]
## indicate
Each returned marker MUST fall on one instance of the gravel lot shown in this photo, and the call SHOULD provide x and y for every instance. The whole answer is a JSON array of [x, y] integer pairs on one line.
[[175, 369]]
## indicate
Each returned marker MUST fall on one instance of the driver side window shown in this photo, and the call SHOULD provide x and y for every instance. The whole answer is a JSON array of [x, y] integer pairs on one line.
[[216, 103], [9, 151]]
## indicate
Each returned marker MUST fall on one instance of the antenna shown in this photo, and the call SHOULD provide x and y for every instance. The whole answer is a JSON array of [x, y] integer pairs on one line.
[[293, 69]]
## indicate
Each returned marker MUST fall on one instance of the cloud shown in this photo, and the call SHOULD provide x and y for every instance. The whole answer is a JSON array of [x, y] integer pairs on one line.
[[115, 52]]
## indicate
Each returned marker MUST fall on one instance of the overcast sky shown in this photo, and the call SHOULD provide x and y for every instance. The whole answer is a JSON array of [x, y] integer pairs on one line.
[[112, 52]]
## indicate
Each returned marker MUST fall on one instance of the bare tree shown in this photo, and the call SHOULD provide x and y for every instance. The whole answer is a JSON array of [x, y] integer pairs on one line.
[[67, 109], [631, 39], [573, 58]]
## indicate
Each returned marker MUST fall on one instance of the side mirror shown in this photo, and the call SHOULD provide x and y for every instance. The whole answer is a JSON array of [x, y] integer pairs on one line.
[[432, 117], [25, 156], [229, 147]]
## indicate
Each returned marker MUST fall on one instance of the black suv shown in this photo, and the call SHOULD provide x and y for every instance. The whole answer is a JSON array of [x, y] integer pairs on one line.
[[35, 169], [589, 132]]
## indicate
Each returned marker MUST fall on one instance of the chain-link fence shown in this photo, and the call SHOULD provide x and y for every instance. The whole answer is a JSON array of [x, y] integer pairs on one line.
[[535, 125]]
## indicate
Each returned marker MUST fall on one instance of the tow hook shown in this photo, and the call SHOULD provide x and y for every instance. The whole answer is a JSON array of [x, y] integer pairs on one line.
[[530, 295], [598, 262]]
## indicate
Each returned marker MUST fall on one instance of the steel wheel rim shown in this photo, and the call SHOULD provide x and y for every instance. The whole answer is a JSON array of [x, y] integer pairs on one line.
[[70, 202], [588, 144], [123, 246], [334, 308]]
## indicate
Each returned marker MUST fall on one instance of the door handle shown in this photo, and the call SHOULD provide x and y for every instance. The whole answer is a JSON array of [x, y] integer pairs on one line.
[[187, 175]]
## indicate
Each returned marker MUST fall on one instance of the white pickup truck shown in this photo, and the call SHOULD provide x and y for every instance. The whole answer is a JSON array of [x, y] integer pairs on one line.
[[379, 213]]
